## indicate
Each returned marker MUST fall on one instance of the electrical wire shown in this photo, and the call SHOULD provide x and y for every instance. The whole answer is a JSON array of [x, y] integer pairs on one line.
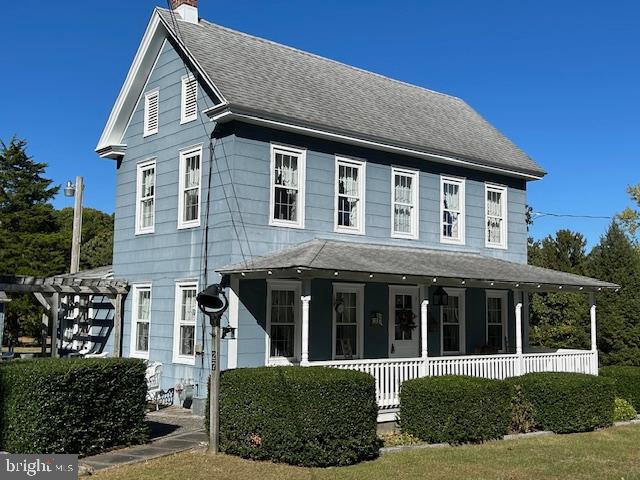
[[568, 215]]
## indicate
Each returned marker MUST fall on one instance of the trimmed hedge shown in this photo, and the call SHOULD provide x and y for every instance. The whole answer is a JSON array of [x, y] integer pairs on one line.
[[627, 382], [79, 406], [568, 402], [455, 409], [310, 416]]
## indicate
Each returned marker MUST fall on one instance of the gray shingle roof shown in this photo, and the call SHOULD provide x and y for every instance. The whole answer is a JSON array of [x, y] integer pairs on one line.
[[411, 261], [281, 83]]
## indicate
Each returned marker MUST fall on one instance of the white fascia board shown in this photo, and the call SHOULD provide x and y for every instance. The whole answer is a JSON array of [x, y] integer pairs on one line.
[[226, 115], [156, 33]]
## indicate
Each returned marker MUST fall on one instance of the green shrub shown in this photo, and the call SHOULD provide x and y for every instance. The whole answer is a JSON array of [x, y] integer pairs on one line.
[[311, 416], [627, 382], [568, 402], [455, 409], [79, 406], [623, 411]]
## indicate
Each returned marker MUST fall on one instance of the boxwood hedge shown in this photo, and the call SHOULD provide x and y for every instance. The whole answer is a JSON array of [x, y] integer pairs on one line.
[[627, 382], [78, 406], [455, 409], [311, 416], [568, 402]]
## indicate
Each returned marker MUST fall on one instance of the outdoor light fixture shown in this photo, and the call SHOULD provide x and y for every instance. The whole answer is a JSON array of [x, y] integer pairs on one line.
[[70, 189], [404, 277], [371, 275], [440, 297], [335, 274], [229, 333]]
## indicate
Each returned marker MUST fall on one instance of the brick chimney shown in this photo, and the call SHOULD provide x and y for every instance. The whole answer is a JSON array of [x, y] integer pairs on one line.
[[187, 9]]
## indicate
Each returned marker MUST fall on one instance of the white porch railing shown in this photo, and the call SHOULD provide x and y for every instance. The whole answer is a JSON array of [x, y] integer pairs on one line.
[[390, 373]]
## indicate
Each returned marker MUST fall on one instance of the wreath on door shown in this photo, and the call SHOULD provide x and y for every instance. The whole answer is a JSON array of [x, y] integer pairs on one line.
[[405, 320]]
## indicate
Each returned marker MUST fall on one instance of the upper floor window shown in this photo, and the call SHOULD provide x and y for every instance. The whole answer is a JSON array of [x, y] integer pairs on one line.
[[190, 179], [452, 210], [189, 108], [496, 216], [184, 331], [141, 316], [287, 186], [350, 195], [145, 197], [404, 203], [151, 112]]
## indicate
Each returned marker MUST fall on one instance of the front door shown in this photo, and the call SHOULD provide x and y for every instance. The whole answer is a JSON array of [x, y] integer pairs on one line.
[[404, 322]]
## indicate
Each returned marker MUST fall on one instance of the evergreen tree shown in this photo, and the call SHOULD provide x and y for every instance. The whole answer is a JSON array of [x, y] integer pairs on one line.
[[559, 320], [616, 260]]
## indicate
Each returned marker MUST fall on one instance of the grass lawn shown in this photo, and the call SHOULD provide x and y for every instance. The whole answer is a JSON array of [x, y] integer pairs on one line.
[[607, 454]]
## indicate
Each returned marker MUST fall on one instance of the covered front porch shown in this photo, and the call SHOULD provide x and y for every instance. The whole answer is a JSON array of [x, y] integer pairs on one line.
[[400, 313]]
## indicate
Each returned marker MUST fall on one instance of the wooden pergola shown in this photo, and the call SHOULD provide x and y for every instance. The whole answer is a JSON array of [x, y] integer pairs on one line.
[[48, 291]]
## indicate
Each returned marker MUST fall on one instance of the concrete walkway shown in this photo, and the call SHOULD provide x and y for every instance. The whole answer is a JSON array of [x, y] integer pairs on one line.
[[186, 433]]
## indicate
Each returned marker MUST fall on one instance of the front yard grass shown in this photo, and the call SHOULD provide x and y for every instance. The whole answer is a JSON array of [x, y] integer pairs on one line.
[[613, 453]]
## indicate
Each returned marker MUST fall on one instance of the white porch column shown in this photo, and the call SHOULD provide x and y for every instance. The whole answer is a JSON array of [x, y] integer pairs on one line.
[[517, 298], [424, 312], [304, 356], [594, 343]]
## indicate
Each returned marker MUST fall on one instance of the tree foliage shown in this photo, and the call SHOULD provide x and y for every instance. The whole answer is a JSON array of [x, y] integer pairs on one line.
[[559, 320], [616, 260], [35, 239], [629, 218]]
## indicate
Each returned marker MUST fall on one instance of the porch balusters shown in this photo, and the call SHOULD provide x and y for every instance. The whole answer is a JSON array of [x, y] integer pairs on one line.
[[517, 294], [304, 354], [424, 311]]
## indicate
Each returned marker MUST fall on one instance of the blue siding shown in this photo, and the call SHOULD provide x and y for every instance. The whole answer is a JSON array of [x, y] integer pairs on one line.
[[242, 165]]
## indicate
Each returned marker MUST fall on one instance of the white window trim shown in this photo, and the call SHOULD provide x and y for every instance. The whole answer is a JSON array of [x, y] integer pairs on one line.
[[147, 97], [136, 288], [358, 289], [183, 103], [296, 286], [177, 357], [188, 152], [504, 295], [415, 218], [140, 168], [505, 225], [361, 165], [461, 182], [461, 294], [302, 163]]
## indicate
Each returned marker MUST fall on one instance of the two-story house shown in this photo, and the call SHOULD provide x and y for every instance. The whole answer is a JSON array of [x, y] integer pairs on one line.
[[359, 221]]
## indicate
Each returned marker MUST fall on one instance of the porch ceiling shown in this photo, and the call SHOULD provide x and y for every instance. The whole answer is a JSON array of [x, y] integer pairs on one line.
[[362, 258]]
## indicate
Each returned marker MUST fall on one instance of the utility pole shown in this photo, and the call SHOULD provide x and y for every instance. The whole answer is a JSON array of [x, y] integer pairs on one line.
[[214, 387], [77, 226], [76, 191]]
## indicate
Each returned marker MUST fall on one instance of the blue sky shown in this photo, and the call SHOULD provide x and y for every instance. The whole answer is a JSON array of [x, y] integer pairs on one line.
[[560, 78]]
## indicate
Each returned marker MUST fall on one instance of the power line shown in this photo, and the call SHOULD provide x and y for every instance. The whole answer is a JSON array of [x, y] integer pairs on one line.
[[569, 215]]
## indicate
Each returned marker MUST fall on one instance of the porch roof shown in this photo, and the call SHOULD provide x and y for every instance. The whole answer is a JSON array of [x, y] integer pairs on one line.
[[363, 258]]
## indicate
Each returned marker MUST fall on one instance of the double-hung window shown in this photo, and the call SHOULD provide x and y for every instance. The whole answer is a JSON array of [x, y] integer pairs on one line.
[[184, 331], [141, 316], [452, 323], [497, 301], [404, 203], [452, 211], [496, 216], [145, 197], [151, 112], [189, 104], [190, 179], [350, 197], [283, 320], [287, 186], [347, 320]]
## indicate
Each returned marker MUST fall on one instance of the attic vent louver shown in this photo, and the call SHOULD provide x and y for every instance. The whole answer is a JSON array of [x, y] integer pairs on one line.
[[151, 112], [189, 99]]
